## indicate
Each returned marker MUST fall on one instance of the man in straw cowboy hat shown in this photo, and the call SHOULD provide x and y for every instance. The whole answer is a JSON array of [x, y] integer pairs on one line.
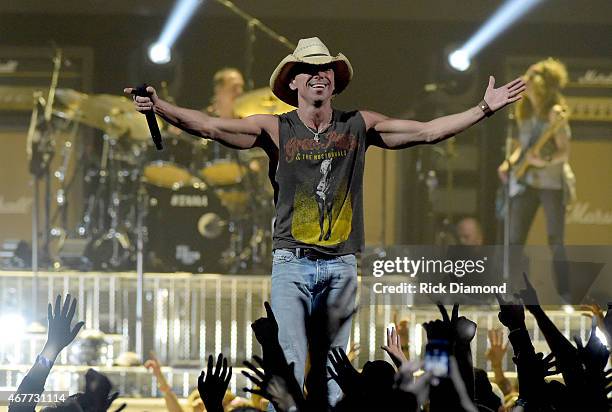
[[319, 212]]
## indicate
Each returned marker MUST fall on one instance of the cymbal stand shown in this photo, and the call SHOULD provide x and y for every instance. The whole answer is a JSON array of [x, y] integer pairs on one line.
[[252, 24], [40, 150], [118, 240]]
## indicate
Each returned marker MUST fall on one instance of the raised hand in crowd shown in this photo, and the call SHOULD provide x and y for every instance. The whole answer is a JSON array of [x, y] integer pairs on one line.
[[274, 388], [403, 331], [170, 398], [274, 362], [497, 348], [353, 352], [154, 366], [594, 355], [212, 384], [604, 321], [461, 331], [607, 320], [565, 353], [343, 372], [266, 329], [59, 332], [456, 329], [394, 347], [532, 367], [495, 354], [593, 359], [511, 314], [406, 381]]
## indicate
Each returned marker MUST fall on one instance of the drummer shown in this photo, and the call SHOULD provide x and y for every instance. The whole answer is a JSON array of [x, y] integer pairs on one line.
[[228, 85]]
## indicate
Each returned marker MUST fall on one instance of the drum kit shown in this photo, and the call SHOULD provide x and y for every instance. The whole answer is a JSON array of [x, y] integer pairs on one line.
[[201, 207]]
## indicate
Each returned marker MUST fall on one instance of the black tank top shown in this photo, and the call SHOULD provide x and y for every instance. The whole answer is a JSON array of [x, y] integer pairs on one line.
[[319, 185]]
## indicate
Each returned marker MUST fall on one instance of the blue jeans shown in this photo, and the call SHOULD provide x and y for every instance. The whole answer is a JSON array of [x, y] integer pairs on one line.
[[297, 285]]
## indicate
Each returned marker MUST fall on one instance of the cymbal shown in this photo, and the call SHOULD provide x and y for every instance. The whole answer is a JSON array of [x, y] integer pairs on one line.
[[19, 97], [260, 101], [112, 114]]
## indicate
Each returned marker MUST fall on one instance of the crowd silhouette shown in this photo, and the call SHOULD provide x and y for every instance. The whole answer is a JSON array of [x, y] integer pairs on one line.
[[403, 385]]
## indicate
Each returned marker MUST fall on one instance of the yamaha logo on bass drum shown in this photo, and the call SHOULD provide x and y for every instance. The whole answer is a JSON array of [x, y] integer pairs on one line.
[[179, 200]]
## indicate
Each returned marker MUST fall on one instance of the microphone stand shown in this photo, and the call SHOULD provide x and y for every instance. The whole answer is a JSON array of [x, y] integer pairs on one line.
[[40, 149], [252, 24], [508, 153]]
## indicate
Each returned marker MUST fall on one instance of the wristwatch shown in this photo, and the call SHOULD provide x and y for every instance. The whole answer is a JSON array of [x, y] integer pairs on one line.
[[485, 108], [520, 402]]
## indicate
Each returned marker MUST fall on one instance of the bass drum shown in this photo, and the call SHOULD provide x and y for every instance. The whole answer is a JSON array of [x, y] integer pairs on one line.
[[188, 229]]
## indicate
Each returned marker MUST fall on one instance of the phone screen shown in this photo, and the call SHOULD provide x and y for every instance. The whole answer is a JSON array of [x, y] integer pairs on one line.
[[436, 358]]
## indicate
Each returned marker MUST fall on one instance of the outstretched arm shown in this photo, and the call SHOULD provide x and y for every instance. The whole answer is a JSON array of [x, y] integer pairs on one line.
[[59, 335], [236, 133], [172, 402], [397, 133]]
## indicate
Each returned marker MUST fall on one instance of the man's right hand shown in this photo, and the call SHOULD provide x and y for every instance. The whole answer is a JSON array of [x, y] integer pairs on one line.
[[502, 172], [143, 104]]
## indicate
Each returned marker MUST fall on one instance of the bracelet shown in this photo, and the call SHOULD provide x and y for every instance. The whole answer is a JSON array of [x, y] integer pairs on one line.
[[40, 359], [485, 108]]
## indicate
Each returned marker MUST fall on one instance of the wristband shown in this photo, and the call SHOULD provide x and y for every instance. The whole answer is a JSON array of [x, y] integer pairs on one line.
[[485, 108], [41, 360]]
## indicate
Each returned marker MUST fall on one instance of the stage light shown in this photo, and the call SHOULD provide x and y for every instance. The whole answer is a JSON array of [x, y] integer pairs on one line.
[[160, 51], [569, 309], [459, 60], [503, 18], [14, 323]]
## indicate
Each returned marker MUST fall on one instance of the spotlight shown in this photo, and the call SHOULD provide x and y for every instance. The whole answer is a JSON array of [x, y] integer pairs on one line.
[[504, 17], [569, 309], [459, 60], [159, 53], [182, 12]]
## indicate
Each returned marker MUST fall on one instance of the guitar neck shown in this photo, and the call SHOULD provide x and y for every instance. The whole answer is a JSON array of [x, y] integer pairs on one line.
[[522, 166]]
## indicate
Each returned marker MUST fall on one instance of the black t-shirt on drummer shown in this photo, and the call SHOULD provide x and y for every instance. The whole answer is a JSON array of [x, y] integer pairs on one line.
[[319, 184]]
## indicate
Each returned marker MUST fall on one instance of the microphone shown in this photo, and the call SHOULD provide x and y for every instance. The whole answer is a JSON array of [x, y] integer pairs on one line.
[[151, 121]]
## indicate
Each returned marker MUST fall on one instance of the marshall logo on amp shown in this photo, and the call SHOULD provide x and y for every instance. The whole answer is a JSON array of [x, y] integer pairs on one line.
[[178, 200]]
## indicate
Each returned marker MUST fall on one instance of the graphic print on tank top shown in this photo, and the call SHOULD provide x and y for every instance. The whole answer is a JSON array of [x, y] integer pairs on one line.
[[319, 202]]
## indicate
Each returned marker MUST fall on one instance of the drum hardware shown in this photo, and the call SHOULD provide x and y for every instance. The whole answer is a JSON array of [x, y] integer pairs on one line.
[[187, 228], [131, 181], [113, 249]]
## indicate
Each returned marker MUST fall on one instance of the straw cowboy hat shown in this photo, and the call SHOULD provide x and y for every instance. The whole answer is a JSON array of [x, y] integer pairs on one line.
[[309, 51]]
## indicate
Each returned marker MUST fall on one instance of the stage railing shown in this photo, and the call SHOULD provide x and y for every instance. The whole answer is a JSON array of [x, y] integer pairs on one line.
[[187, 317]]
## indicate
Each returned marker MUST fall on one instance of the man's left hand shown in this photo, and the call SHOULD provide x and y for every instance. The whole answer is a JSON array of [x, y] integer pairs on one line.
[[504, 95]]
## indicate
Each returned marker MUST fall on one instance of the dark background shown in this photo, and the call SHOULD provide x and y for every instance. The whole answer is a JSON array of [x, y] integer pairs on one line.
[[394, 47]]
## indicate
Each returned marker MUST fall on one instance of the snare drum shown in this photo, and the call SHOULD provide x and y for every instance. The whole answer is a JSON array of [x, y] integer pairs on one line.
[[171, 167]]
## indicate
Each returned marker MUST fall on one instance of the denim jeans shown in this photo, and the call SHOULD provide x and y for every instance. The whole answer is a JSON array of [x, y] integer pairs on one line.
[[523, 208], [297, 285]]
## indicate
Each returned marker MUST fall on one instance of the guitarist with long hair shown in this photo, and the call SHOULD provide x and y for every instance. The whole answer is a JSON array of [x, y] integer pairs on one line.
[[539, 164]]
